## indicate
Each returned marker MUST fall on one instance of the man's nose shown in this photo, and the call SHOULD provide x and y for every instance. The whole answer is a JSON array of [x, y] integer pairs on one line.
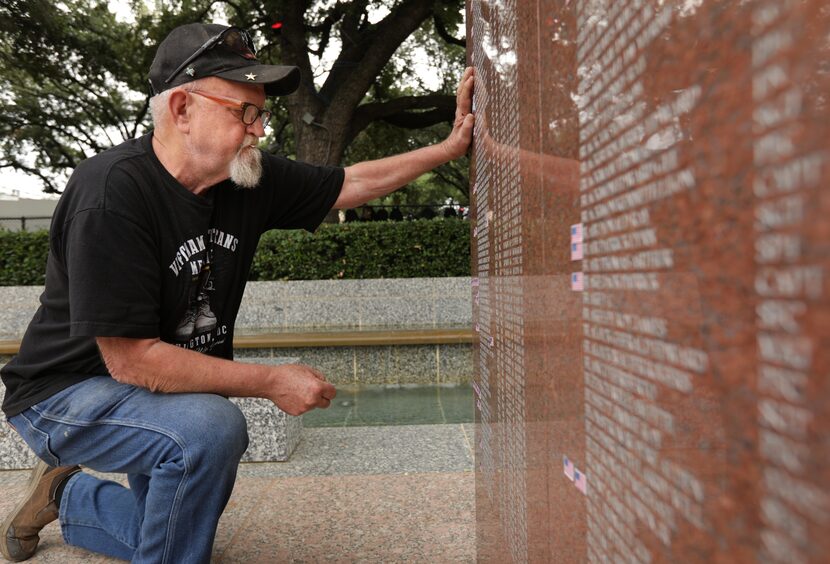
[[257, 128]]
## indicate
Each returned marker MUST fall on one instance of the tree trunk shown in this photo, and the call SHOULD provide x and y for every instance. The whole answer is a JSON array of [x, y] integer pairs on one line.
[[326, 120]]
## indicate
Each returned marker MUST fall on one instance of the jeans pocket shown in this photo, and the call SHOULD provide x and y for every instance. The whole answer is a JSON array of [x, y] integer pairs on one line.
[[37, 440]]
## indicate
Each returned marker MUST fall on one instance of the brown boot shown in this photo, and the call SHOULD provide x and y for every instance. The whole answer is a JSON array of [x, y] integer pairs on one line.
[[37, 509]]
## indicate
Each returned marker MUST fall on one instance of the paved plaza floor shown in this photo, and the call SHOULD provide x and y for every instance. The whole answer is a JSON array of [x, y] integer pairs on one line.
[[348, 494]]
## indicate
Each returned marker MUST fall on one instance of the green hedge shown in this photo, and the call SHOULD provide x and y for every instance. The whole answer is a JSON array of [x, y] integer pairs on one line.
[[405, 249], [23, 257]]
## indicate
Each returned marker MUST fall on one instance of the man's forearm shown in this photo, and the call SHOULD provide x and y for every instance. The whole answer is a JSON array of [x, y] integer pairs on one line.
[[162, 367], [368, 180]]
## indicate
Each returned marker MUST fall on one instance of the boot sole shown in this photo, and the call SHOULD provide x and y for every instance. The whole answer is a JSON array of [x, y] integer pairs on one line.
[[37, 473]]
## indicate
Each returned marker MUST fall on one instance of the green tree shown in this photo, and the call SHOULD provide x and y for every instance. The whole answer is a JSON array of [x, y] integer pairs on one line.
[[73, 76]]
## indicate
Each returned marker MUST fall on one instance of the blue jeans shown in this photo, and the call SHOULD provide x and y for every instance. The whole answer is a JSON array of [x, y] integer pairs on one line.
[[180, 453]]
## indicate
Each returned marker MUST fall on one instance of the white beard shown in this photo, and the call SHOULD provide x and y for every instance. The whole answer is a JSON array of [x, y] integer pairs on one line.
[[246, 166]]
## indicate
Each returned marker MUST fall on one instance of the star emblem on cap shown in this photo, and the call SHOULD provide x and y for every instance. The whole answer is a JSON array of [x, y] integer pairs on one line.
[[250, 76], [190, 71]]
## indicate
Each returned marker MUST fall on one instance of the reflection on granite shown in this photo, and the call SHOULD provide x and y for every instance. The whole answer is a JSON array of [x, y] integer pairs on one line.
[[651, 280]]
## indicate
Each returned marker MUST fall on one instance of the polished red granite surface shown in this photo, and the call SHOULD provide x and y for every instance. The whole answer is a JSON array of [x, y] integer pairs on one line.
[[651, 265]]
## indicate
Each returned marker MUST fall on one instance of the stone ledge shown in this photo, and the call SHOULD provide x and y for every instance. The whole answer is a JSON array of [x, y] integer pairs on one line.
[[354, 338], [315, 305], [328, 339]]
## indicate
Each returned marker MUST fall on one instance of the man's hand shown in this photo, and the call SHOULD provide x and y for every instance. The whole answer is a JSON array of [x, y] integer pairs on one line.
[[462, 130], [368, 180], [299, 388]]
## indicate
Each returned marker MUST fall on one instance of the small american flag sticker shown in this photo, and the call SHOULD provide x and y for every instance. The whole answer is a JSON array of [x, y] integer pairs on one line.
[[580, 481], [576, 233], [568, 468], [576, 251], [577, 282]]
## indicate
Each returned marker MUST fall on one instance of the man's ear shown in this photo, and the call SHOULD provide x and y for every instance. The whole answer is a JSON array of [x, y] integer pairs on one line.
[[178, 104]]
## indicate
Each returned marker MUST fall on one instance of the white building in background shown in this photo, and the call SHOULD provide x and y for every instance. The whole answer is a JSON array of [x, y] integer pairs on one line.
[[25, 213]]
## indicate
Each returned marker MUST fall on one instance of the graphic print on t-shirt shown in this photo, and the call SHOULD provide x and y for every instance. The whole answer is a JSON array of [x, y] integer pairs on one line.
[[198, 318], [199, 328]]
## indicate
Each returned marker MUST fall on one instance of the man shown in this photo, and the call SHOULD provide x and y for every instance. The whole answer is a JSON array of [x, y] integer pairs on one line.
[[126, 365]]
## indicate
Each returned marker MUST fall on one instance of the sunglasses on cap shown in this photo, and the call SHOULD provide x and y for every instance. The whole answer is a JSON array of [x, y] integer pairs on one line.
[[237, 40]]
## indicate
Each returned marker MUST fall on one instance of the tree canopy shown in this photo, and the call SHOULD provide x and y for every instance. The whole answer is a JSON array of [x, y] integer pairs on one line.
[[73, 77]]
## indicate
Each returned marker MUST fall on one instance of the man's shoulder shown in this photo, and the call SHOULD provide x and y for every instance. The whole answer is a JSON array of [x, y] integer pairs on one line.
[[104, 181], [98, 167]]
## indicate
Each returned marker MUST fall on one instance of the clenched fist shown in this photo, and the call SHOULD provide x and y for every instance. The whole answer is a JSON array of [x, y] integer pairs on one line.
[[298, 388]]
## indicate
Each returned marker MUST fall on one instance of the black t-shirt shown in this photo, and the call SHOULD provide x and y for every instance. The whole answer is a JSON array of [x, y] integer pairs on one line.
[[132, 253]]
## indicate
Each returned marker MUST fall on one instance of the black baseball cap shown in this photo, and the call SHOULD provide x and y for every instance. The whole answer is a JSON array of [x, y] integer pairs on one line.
[[199, 50]]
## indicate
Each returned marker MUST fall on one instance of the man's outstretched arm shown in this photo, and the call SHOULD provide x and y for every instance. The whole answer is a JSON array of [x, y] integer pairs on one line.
[[372, 179], [162, 367]]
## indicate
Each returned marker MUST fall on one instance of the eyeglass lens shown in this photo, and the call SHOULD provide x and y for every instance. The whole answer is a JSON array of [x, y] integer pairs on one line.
[[252, 112]]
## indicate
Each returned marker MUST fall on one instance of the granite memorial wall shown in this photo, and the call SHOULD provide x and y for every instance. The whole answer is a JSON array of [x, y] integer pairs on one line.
[[651, 280]]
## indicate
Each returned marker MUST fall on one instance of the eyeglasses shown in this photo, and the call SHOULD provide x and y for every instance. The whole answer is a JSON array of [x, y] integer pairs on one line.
[[250, 112], [237, 40]]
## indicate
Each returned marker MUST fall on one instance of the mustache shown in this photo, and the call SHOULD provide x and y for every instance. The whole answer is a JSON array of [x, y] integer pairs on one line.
[[248, 141]]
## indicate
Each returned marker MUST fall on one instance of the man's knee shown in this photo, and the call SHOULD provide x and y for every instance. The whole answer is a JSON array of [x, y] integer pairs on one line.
[[217, 430]]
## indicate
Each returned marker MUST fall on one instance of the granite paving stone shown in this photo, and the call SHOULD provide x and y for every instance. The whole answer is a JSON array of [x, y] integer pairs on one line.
[[248, 495], [388, 494], [363, 519], [373, 450]]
